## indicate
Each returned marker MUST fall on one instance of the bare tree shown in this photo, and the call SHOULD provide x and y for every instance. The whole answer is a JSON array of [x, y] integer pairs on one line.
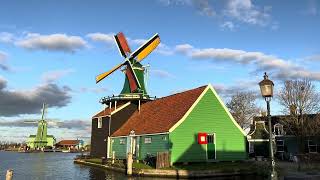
[[299, 94], [300, 100], [243, 108]]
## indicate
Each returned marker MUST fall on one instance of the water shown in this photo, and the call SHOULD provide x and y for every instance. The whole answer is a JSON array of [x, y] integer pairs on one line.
[[57, 166]]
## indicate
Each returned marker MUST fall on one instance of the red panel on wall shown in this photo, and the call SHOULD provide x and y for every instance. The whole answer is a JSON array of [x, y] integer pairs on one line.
[[202, 138]]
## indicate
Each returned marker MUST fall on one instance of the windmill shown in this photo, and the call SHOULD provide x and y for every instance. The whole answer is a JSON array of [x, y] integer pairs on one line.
[[41, 139], [41, 136], [134, 71]]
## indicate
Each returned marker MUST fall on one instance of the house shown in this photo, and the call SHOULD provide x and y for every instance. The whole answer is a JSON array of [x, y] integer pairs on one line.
[[285, 143], [70, 144], [194, 126]]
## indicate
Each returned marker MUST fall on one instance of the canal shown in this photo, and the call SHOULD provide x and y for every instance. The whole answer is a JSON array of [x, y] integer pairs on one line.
[[57, 166]]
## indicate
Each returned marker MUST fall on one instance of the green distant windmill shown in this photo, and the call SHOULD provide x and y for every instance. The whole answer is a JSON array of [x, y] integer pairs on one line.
[[41, 139], [134, 81]]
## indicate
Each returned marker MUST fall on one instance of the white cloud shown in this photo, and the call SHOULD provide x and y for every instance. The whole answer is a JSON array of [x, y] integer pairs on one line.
[[52, 42], [93, 90], [281, 68], [52, 76], [315, 57], [3, 58], [312, 8], [6, 37], [161, 73], [245, 11], [101, 37], [227, 25], [204, 7], [184, 48]]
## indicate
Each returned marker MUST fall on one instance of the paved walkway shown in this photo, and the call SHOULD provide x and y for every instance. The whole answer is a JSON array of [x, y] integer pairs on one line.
[[291, 171]]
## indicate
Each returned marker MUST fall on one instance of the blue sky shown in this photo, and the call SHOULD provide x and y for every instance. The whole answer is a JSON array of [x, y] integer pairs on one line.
[[52, 51]]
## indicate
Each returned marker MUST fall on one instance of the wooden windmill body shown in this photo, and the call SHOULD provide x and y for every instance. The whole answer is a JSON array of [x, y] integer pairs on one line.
[[41, 136]]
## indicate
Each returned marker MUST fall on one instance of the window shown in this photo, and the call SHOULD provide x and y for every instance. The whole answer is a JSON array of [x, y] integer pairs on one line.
[[280, 145], [312, 146], [100, 122], [210, 138], [147, 140], [278, 129], [122, 141], [251, 147]]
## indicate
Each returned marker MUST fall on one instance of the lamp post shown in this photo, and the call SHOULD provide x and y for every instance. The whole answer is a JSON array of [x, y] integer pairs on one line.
[[266, 87]]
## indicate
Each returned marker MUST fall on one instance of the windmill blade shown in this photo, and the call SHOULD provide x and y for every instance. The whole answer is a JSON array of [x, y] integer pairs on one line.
[[43, 111], [30, 122], [103, 75], [132, 78], [144, 50], [122, 44]]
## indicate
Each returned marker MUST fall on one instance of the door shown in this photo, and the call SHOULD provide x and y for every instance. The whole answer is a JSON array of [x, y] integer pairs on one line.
[[211, 146]]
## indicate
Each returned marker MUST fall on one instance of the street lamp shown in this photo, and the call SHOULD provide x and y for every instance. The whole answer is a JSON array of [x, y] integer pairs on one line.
[[266, 87]]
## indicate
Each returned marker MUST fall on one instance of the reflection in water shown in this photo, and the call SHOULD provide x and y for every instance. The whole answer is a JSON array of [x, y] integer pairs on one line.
[[60, 166]]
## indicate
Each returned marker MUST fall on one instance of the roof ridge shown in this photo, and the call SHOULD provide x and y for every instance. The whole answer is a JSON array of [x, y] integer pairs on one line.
[[181, 92]]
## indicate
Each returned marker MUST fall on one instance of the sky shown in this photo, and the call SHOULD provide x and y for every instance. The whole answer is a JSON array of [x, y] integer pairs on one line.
[[51, 52]]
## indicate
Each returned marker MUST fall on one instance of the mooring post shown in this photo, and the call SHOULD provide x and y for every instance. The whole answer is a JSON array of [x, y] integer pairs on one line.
[[9, 174], [113, 157], [129, 163]]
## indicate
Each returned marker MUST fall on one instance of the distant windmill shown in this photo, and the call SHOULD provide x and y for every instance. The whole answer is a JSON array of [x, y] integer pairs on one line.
[[134, 71], [40, 140], [41, 137]]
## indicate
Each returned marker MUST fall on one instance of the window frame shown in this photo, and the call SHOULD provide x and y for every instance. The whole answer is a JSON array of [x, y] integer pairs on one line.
[[312, 145], [280, 145], [122, 141], [99, 122], [146, 140], [278, 129]]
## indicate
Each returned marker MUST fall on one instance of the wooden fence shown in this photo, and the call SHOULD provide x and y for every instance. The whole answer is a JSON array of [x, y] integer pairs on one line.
[[163, 160]]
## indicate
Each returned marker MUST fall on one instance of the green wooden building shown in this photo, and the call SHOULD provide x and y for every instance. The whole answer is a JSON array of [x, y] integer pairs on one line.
[[41, 140], [193, 126]]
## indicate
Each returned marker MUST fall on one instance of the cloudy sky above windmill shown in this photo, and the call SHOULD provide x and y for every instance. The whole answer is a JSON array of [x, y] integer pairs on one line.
[[53, 53]]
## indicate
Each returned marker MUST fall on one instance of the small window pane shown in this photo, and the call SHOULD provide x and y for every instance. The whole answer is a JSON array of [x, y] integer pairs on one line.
[[122, 141], [280, 145], [147, 140], [251, 147], [99, 122]]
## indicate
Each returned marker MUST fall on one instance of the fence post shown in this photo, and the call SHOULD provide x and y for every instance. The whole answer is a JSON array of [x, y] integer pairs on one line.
[[9, 174], [129, 163], [113, 157]]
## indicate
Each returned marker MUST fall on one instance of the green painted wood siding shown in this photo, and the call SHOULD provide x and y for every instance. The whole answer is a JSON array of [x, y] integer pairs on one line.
[[159, 143], [208, 116], [120, 149]]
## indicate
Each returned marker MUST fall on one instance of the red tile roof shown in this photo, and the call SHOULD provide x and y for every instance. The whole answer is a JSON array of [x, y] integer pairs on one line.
[[68, 142], [160, 115], [107, 111]]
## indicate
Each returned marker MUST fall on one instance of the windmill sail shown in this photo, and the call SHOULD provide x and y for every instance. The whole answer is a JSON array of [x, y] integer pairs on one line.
[[134, 81], [132, 78], [122, 43], [144, 50]]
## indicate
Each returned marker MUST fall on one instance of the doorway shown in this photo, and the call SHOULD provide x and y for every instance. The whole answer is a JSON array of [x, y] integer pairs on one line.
[[211, 146]]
